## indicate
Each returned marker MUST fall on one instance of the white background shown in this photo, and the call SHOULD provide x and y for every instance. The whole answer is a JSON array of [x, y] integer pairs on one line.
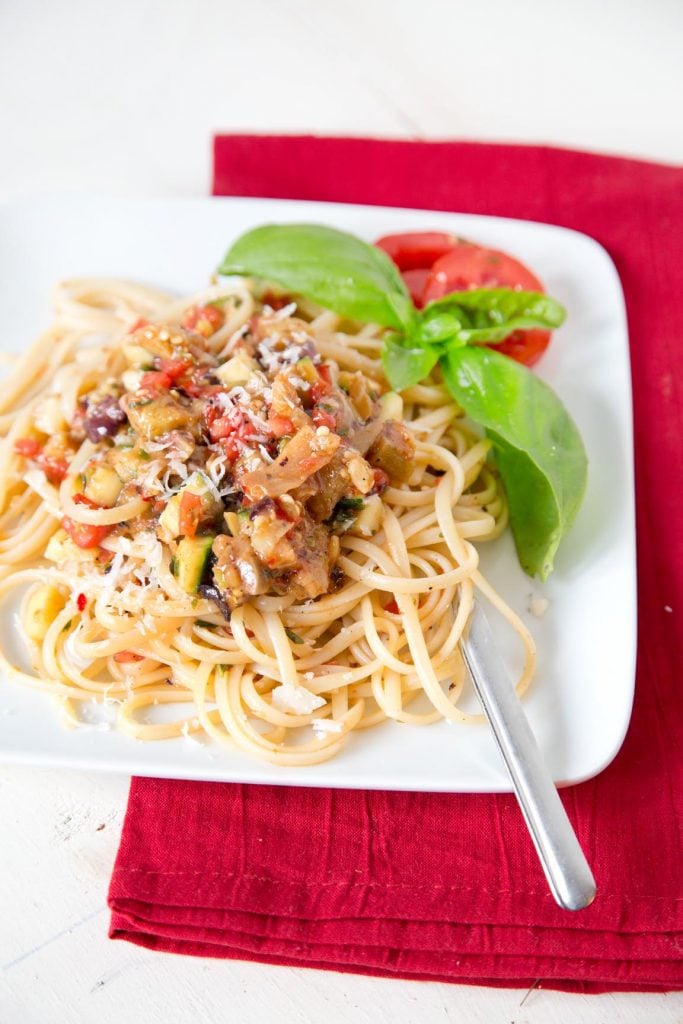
[[123, 99]]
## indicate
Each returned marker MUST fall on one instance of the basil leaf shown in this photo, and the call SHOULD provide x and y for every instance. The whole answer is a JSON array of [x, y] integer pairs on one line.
[[404, 365], [430, 330], [489, 315], [335, 269], [538, 448]]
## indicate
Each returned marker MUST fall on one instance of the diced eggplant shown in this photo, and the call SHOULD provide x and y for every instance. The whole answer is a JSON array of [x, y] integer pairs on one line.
[[394, 452]]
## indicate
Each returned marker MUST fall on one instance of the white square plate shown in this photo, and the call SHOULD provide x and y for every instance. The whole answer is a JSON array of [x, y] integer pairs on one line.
[[581, 700]]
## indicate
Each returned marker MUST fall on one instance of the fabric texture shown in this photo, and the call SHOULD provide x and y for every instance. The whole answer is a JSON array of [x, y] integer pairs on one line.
[[447, 887]]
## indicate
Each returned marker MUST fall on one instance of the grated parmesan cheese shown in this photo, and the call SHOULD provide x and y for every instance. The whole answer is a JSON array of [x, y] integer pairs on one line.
[[323, 726], [296, 699], [538, 606]]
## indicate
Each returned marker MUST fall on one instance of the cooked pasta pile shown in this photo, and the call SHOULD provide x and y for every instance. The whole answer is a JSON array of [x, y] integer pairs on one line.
[[216, 502]]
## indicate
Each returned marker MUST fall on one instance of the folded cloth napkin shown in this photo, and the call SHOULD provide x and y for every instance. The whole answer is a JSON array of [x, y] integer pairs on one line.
[[447, 887]]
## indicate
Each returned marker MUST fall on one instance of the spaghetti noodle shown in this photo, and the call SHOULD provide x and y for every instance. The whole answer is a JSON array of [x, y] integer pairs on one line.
[[283, 651]]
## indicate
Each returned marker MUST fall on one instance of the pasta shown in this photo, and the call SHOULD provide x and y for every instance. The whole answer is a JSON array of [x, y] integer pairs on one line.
[[284, 669]]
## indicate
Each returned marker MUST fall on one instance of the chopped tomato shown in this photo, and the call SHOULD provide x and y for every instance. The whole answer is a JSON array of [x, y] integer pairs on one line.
[[322, 418], [232, 447], [190, 513], [174, 368], [280, 426], [54, 467], [392, 607], [83, 499], [81, 602], [416, 250], [28, 447], [473, 266], [125, 657], [223, 426], [204, 320], [196, 388], [381, 481], [282, 514], [85, 535], [155, 381], [322, 386]]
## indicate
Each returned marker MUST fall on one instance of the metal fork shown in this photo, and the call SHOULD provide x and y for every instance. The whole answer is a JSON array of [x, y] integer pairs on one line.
[[566, 869]]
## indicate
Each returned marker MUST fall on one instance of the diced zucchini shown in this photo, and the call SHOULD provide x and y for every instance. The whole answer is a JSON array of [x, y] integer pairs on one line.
[[305, 370], [233, 522], [60, 548], [391, 406], [43, 607], [369, 520], [169, 520], [102, 484], [126, 461], [191, 559], [236, 370]]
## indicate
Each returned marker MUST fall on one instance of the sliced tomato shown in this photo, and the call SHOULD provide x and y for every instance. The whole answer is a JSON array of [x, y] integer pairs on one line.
[[190, 513], [416, 281], [472, 266], [85, 535], [416, 250]]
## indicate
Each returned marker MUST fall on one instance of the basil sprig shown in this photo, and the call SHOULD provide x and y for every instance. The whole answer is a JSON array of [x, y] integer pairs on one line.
[[538, 448]]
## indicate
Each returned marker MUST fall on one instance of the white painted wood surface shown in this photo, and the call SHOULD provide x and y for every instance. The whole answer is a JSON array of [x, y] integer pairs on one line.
[[124, 99]]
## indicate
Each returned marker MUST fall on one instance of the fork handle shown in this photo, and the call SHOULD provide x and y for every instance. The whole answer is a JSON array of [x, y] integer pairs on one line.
[[566, 869]]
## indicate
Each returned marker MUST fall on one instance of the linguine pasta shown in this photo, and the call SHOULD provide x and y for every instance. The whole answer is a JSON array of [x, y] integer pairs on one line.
[[282, 672]]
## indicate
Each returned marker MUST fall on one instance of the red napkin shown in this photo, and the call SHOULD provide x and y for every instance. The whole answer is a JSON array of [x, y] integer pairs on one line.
[[436, 886]]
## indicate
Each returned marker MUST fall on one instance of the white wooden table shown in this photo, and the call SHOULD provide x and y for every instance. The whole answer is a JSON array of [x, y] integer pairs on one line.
[[124, 100]]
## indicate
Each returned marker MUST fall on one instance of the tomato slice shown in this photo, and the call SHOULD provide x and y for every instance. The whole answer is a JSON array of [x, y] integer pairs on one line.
[[416, 250], [415, 281], [473, 266]]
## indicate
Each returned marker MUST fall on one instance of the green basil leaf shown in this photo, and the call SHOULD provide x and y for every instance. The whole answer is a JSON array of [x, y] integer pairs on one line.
[[538, 448], [490, 315], [430, 330], [333, 268], [405, 366]]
